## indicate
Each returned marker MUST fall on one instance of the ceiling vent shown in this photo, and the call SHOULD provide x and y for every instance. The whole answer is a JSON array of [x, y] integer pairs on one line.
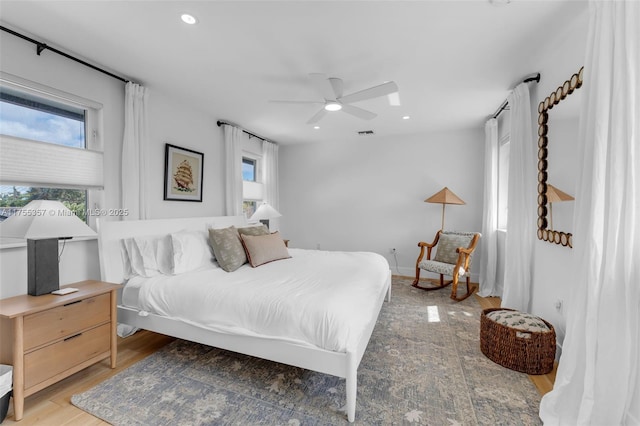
[[365, 132]]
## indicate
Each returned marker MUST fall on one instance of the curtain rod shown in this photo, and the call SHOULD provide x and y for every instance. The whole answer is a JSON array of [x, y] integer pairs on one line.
[[504, 105], [43, 46], [222, 123]]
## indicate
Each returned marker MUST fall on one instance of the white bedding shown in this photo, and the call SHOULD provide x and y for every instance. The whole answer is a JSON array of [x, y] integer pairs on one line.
[[315, 298]]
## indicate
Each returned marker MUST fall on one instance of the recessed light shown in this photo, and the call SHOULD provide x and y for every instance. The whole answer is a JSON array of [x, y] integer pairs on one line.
[[316, 127], [188, 19], [333, 106], [406, 117]]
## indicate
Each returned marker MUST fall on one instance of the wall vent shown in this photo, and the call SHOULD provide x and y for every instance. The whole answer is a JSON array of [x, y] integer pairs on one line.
[[365, 132]]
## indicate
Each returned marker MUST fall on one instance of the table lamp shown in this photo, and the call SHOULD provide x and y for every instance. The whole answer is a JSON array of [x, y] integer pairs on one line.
[[444, 196], [264, 213], [43, 223]]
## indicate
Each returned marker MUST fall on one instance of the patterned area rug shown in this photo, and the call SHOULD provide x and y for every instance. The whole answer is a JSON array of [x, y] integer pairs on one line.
[[423, 366]]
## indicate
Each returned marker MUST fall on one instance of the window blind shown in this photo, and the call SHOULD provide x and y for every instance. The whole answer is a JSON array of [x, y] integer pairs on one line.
[[41, 164]]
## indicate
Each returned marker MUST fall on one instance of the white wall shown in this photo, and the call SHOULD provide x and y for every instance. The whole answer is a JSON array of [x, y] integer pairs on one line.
[[369, 195], [170, 121], [175, 122]]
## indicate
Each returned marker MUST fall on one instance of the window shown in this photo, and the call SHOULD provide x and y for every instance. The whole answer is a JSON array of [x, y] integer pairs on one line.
[[26, 116], [249, 207], [45, 152], [251, 189], [248, 169], [503, 181]]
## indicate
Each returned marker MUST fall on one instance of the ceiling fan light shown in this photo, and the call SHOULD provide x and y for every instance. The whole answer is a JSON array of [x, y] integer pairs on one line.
[[333, 106], [188, 19]]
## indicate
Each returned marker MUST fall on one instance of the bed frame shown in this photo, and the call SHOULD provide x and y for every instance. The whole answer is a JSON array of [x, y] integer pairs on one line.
[[112, 256]]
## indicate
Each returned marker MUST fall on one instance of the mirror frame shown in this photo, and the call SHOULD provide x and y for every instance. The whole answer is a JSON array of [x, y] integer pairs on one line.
[[569, 86]]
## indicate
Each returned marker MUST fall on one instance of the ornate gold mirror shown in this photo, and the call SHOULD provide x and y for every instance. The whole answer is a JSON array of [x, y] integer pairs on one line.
[[547, 193]]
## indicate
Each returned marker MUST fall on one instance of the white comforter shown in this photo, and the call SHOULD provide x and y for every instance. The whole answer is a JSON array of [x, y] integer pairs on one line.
[[318, 298]]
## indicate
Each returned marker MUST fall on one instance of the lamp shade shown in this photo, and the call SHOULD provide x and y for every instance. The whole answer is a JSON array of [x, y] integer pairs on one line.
[[265, 212], [444, 196], [554, 195], [45, 219]]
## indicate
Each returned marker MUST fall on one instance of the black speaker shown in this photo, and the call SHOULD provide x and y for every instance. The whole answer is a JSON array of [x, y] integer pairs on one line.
[[42, 263]]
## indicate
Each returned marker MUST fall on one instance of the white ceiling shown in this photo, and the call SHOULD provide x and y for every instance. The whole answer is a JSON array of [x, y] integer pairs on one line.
[[454, 61]]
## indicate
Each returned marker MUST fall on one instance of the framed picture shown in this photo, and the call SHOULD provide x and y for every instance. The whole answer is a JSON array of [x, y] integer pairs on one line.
[[182, 174]]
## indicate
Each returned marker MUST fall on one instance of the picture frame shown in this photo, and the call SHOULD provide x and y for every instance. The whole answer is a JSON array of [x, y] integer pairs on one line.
[[183, 174]]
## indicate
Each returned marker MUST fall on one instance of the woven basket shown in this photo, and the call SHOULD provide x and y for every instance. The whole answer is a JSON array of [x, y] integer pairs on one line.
[[508, 347]]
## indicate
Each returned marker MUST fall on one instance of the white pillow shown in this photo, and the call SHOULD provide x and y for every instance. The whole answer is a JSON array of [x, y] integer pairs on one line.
[[191, 251], [150, 256], [133, 263], [156, 253]]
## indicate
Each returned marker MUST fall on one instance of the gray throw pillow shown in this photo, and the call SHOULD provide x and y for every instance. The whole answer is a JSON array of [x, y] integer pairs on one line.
[[254, 230], [447, 245], [228, 248]]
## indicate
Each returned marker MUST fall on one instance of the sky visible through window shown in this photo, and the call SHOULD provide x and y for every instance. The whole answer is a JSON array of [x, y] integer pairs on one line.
[[248, 171], [28, 123]]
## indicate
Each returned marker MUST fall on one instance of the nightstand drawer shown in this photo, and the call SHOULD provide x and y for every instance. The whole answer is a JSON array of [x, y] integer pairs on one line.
[[63, 321], [54, 359]]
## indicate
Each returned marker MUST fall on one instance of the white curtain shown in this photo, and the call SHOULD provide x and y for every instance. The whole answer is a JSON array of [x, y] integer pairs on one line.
[[270, 173], [598, 379], [522, 203], [134, 146], [233, 172], [489, 241]]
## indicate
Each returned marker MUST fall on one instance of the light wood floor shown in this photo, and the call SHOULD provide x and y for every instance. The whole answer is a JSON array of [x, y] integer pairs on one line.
[[52, 406]]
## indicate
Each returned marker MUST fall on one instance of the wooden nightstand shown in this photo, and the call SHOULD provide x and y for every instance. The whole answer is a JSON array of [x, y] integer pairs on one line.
[[47, 338]]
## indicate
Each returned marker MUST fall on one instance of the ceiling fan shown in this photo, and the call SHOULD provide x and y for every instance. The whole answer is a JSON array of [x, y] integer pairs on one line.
[[331, 90]]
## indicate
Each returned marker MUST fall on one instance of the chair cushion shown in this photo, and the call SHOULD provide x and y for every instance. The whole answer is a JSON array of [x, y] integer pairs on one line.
[[518, 320], [447, 245], [440, 267]]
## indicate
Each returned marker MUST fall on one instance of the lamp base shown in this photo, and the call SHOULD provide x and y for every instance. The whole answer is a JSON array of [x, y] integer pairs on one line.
[[42, 263], [265, 222]]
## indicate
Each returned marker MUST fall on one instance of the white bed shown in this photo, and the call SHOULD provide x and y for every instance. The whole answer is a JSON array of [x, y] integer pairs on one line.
[[328, 337]]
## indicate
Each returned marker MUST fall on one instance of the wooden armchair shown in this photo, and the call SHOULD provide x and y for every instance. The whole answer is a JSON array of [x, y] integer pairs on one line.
[[452, 258]]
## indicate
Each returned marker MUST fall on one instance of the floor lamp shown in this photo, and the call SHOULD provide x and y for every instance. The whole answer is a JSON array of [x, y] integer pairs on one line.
[[554, 195], [444, 196]]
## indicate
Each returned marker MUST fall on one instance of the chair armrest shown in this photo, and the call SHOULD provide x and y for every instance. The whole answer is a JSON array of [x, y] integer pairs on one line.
[[463, 259], [464, 254], [429, 247]]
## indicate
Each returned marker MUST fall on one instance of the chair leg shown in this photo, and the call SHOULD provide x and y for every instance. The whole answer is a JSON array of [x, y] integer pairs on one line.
[[415, 282], [454, 290]]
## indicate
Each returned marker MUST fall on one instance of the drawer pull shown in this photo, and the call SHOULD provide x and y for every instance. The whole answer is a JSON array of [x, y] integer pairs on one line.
[[72, 303], [73, 337]]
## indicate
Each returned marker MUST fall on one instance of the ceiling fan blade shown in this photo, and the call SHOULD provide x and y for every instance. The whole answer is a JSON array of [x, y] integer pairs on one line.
[[318, 116], [337, 85], [295, 102], [372, 92], [358, 112], [323, 86]]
